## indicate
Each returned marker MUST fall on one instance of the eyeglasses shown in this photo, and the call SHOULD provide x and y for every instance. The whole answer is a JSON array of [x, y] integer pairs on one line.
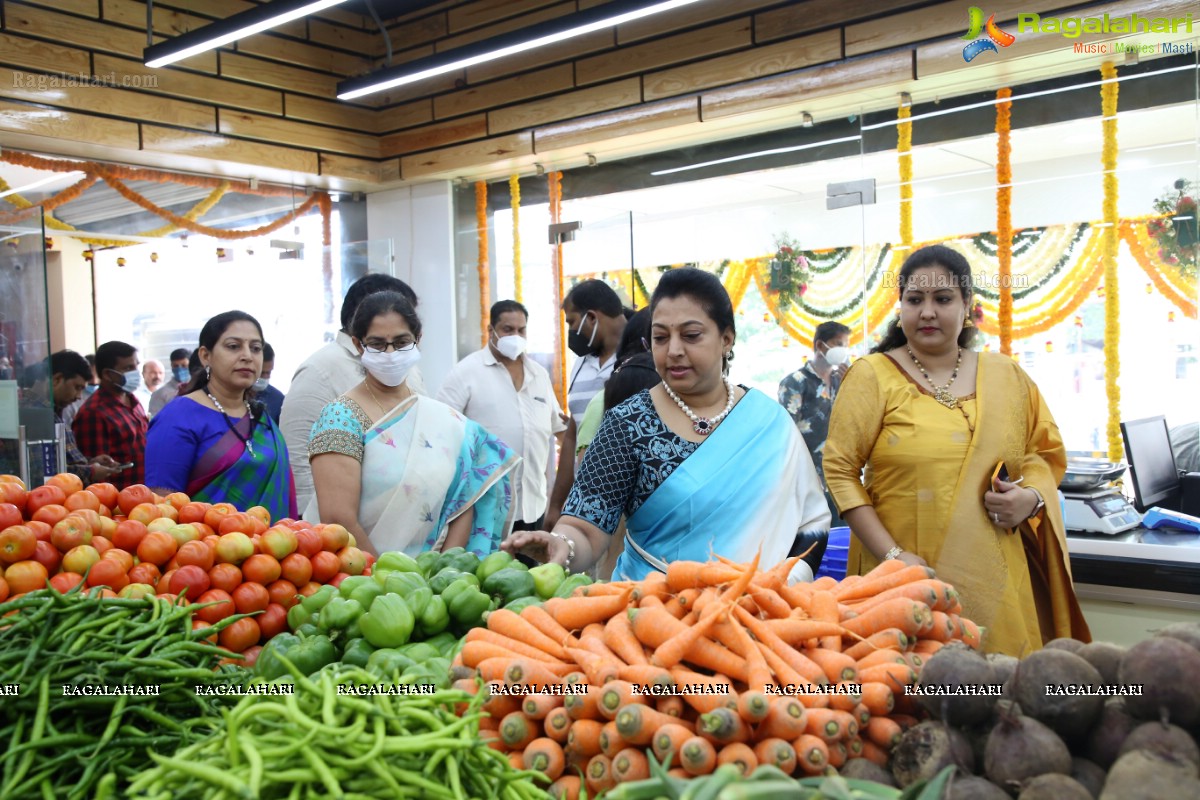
[[382, 346]]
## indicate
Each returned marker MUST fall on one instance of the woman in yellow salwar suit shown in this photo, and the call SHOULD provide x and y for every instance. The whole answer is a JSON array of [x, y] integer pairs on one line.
[[930, 420]]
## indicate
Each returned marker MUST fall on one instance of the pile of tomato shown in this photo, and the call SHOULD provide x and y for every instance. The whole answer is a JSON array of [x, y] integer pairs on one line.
[[134, 543]]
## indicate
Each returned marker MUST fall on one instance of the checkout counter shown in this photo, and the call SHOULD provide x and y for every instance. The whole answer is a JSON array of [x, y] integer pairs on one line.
[[1131, 580]]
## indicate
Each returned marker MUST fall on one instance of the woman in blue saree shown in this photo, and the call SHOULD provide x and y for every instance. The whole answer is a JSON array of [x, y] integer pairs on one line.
[[212, 442], [401, 471], [697, 465]]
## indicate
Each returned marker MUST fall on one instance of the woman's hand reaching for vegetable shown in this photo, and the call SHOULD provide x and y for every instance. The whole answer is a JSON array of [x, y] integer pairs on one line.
[[538, 545], [911, 559]]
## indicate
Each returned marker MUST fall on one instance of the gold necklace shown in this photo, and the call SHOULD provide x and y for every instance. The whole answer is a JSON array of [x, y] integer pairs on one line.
[[940, 393], [371, 392]]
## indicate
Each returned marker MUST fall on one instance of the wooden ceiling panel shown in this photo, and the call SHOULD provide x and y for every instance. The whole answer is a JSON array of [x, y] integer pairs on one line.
[[509, 90], [222, 148], [697, 44], [17, 51], [429, 137], [178, 83], [22, 118]]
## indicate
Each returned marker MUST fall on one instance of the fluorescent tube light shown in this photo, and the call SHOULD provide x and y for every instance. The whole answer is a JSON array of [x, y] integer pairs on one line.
[[540, 35], [60, 176], [774, 152], [222, 32]]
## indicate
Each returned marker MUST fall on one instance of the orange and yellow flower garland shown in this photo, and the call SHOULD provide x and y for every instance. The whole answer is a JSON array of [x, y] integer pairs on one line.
[[554, 180], [481, 232], [1112, 300], [514, 188], [1004, 230]]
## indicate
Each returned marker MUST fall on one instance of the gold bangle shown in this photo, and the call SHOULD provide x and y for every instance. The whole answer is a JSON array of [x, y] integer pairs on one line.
[[893, 553]]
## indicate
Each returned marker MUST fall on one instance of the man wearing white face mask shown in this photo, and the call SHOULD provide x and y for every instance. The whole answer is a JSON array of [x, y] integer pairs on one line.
[[511, 396], [809, 392], [112, 420]]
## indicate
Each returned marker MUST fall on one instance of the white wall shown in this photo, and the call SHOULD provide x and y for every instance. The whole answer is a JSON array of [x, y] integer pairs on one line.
[[69, 296], [420, 222]]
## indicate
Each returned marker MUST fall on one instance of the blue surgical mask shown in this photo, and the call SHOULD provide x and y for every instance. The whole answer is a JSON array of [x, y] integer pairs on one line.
[[131, 381], [90, 389], [260, 385], [181, 374]]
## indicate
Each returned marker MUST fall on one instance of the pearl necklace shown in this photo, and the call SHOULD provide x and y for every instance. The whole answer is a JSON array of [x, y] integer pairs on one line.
[[941, 393], [702, 425], [249, 444]]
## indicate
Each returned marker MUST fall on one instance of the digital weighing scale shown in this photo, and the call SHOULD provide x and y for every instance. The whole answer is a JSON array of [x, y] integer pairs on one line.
[[1099, 511]]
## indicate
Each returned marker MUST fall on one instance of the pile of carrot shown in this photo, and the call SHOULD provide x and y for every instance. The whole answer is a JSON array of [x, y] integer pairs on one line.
[[711, 664]]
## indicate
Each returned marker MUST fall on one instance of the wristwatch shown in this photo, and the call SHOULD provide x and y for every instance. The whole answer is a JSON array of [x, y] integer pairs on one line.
[[1041, 503]]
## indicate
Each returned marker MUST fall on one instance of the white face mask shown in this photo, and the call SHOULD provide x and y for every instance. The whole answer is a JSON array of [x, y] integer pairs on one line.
[[131, 381], [260, 385], [511, 347], [392, 367], [836, 356]]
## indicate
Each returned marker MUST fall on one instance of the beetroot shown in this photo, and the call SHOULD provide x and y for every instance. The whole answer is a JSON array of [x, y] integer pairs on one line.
[[1070, 645], [1051, 687], [1146, 775], [972, 787], [1167, 672], [1186, 632], [1020, 748], [866, 770], [1105, 657], [926, 748], [1004, 666], [952, 670], [1089, 775], [1054, 787], [1107, 736], [1163, 739]]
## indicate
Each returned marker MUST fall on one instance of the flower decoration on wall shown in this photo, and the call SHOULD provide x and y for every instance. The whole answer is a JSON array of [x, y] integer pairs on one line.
[[1176, 231], [789, 272]]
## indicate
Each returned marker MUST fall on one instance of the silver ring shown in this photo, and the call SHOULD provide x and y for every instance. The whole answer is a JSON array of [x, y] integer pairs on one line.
[[996, 518]]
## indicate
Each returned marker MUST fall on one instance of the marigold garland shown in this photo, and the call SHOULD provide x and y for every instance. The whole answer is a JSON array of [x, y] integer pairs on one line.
[[514, 189], [904, 161], [481, 264], [554, 179], [1112, 297], [1004, 232]]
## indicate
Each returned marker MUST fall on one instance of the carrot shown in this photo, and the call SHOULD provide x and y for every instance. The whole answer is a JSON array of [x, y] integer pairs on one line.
[[928, 591], [698, 756], [927, 647], [567, 787], [696, 575], [878, 698], [784, 674], [883, 732], [739, 586], [799, 597], [631, 764], [538, 618], [770, 602], [785, 719], [671, 705], [837, 666], [907, 615], [557, 724], [507, 643], [825, 609], [723, 725], [510, 624], [944, 627], [812, 754], [611, 742], [475, 653], [599, 774], [646, 675], [653, 626], [672, 651], [594, 629], [574, 678], [887, 656], [492, 669], [594, 643], [914, 660], [870, 586], [546, 756], [825, 582], [753, 706], [740, 755], [875, 753], [758, 673], [501, 705], [599, 670], [828, 724], [527, 672], [637, 723], [518, 730], [603, 589], [668, 741], [972, 634], [847, 697], [577, 613], [618, 635], [584, 737], [582, 704], [703, 599], [517, 759], [776, 752], [679, 772], [712, 696], [905, 721], [653, 585], [766, 634], [676, 609], [798, 631], [893, 638], [616, 694], [896, 676], [837, 754], [539, 706]]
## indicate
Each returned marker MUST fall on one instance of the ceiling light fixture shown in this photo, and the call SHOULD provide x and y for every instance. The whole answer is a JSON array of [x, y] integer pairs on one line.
[[222, 32], [61, 176], [608, 15]]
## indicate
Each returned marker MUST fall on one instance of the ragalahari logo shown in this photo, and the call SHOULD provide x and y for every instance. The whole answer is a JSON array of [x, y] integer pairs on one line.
[[994, 36]]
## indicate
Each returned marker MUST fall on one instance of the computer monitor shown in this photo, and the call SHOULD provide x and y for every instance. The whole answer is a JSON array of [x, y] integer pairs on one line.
[[1151, 463]]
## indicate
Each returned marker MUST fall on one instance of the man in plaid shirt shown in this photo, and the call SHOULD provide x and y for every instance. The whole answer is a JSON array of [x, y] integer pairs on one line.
[[69, 373], [112, 420]]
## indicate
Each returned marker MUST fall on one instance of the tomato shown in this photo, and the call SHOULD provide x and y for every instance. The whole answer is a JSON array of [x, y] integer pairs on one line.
[[251, 597], [272, 621], [236, 522], [145, 573], [80, 559], [129, 535], [9, 514], [177, 499], [157, 548], [67, 481], [204, 530], [215, 613], [216, 513], [297, 569], [191, 578], [3, 590], [66, 581], [101, 544], [145, 513], [70, 531], [337, 579], [17, 543], [225, 577], [14, 494], [121, 557], [335, 537], [197, 553], [51, 513], [92, 518], [261, 568], [240, 635], [199, 624], [309, 589], [164, 584], [48, 556], [106, 492], [308, 543], [193, 512], [82, 499], [250, 655], [352, 560], [131, 497], [26, 576], [108, 572], [324, 566], [283, 593], [40, 529]]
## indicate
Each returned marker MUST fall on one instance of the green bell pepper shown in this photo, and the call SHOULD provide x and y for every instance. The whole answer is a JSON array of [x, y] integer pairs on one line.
[[443, 642], [435, 672], [366, 593], [436, 617], [493, 563], [572, 583], [427, 561], [396, 562], [307, 629], [388, 664], [420, 651], [338, 614], [307, 654], [389, 623], [348, 585], [468, 606], [418, 599], [350, 632], [402, 582], [298, 615], [447, 576], [547, 578], [521, 603], [461, 583], [458, 558], [357, 652], [509, 584], [316, 601]]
